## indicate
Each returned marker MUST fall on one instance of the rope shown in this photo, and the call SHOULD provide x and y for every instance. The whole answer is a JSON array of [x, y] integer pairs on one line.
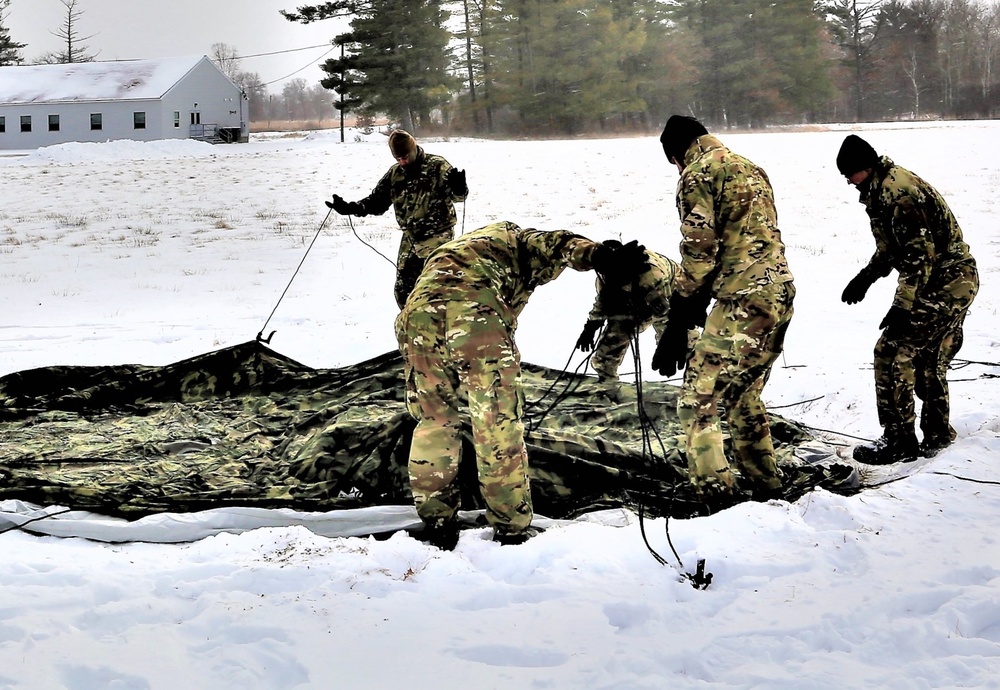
[[351, 223], [260, 334], [34, 519]]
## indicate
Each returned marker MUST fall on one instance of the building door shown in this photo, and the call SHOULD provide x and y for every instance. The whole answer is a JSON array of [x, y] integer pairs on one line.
[[196, 130]]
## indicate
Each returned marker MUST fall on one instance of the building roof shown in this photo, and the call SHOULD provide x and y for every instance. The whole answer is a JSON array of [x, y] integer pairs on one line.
[[119, 80]]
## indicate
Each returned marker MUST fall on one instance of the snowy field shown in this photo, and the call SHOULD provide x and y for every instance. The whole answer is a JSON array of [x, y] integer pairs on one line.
[[150, 253]]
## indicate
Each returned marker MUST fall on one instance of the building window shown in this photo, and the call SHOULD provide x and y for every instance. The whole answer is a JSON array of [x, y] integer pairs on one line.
[[138, 120], [3, 125], [53, 123], [177, 119], [26, 123], [96, 121]]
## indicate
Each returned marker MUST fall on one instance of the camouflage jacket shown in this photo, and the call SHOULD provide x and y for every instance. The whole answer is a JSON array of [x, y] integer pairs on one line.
[[420, 194], [648, 297], [499, 266], [728, 223], [915, 231]]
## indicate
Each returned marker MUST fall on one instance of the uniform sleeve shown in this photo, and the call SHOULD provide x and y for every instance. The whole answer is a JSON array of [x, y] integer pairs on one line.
[[597, 312], [380, 199], [699, 240], [548, 253], [911, 228]]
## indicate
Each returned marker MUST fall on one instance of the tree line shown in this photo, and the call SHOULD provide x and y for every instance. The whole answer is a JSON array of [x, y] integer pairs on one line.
[[571, 66]]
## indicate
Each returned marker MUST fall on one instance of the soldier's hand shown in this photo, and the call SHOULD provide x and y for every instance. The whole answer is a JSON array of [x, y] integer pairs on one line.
[[457, 182], [618, 263], [339, 205], [585, 343], [858, 287], [895, 322], [671, 350]]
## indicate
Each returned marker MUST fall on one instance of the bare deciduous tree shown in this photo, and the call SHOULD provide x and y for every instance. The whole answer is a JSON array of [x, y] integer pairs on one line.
[[226, 59]]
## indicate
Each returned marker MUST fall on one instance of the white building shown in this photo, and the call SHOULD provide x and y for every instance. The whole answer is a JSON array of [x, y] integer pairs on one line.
[[143, 100]]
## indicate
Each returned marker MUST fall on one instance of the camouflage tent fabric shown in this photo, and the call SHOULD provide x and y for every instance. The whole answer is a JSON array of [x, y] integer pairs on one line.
[[247, 426]]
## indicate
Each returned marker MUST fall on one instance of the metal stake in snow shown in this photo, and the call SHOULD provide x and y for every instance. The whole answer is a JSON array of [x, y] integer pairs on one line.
[[260, 335]]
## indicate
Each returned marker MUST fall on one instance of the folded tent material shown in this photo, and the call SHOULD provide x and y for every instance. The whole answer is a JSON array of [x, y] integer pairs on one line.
[[247, 427]]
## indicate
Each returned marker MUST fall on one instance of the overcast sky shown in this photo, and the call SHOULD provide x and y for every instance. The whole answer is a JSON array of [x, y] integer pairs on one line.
[[134, 29]]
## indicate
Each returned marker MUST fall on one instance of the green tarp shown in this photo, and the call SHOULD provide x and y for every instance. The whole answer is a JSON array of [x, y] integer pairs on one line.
[[246, 426]]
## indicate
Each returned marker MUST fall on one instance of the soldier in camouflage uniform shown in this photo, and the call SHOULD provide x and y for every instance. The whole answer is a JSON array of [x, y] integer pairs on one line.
[[628, 310], [422, 188], [731, 250], [456, 335], [917, 235]]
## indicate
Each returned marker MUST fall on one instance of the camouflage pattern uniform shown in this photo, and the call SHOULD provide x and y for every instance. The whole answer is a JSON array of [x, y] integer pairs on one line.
[[425, 210], [645, 303], [732, 245], [917, 234], [456, 335]]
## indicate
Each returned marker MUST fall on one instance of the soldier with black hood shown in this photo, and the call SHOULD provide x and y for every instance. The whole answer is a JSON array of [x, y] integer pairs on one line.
[[422, 188], [917, 235]]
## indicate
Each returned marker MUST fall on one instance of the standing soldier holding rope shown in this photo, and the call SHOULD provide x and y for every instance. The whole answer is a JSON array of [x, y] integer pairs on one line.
[[423, 189]]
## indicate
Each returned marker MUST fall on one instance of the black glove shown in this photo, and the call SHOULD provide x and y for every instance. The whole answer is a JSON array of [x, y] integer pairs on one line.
[[618, 263], [457, 183], [671, 350], [858, 287], [346, 208], [690, 312], [895, 322], [585, 343], [685, 313]]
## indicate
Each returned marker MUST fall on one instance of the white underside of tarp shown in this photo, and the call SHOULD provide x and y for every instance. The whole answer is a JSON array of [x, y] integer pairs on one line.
[[166, 528]]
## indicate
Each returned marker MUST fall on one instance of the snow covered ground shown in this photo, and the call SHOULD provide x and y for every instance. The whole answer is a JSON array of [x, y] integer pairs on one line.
[[149, 253]]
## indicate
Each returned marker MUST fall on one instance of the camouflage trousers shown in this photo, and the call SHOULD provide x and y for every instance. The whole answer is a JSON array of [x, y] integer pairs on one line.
[[729, 366], [916, 359], [614, 343], [411, 258], [461, 360]]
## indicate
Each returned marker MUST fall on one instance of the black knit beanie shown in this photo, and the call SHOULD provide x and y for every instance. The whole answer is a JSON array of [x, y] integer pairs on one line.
[[677, 136], [855, 155]]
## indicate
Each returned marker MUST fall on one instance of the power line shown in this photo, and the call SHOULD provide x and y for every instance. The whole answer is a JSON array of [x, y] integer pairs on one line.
[[310, 64], [279, 52]]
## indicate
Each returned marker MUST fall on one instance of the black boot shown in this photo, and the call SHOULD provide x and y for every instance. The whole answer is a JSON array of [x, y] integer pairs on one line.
[[442, 534], [930, 447], [888, 449], [508, 538]]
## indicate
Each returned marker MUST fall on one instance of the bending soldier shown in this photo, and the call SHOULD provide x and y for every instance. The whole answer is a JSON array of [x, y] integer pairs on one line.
[[625, 310], [456, 335], [422, 188], [917, 235], [731, 250]]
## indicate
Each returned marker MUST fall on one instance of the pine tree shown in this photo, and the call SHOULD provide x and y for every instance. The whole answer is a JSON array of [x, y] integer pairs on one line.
[[567, 65], [764, 59], [400, 59], [10, 51]]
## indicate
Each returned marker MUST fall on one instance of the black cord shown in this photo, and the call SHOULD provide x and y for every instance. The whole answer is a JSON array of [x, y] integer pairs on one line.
[[351, 223], [34, 519], [308, 249]]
